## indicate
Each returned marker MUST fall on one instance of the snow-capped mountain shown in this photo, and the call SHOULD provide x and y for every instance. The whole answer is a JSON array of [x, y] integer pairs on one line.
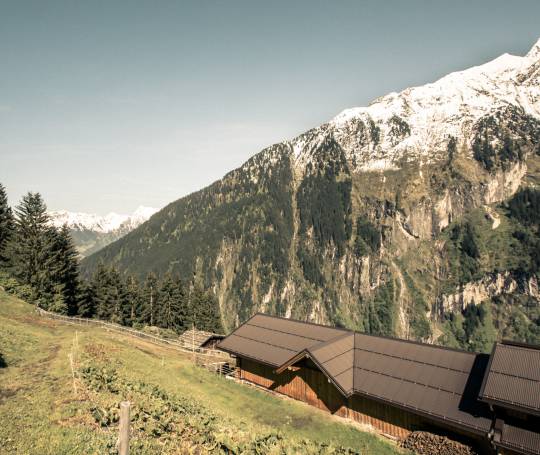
[[418, 123], [381, 219], [91, 232], [103, 224]]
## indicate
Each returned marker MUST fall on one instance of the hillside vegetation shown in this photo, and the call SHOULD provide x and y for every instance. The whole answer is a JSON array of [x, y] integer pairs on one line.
[[38, 262], [368, 221], [367, 252], [177, 407]]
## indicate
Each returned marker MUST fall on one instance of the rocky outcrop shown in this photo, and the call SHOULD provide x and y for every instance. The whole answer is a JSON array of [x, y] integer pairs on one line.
[[488, 287]]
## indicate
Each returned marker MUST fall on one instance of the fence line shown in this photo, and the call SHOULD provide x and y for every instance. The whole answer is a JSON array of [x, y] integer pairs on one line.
[[183, 347], [213, 360]]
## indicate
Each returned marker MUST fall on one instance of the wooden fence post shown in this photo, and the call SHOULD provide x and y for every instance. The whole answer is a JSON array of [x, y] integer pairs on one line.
[[123, 437], [70, 355]]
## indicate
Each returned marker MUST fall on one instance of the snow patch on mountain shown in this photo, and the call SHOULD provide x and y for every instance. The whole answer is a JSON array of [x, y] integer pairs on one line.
[[111, 222], [418, 123]]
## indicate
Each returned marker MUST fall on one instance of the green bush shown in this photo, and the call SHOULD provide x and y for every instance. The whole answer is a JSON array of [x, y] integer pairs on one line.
[[368, 238], [178, 424], [13, 287]]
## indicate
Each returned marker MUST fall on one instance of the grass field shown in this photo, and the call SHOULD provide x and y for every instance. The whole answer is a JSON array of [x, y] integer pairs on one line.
[[177, 406]]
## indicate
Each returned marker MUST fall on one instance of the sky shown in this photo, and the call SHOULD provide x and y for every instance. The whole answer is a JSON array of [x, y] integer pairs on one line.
[[109, 105]]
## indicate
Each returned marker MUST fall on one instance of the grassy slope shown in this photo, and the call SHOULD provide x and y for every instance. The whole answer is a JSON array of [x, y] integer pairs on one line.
[[40, 414]]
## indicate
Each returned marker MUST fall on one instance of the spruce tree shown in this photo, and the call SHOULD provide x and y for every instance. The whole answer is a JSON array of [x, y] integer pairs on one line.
[[134, 299], [87, 300], [101, 291], [118, 298], [172, 312], [150, 302], [29, 247], [6, 225], [57, 302], [204, 310], [64, 268]]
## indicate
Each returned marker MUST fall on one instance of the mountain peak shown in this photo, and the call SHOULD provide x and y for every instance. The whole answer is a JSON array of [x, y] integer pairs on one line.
[[144, 212], [417, 123], [102, 224], [535, 50]]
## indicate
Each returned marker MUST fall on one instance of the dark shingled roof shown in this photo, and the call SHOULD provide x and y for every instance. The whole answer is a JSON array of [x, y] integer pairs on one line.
[[513, 377], [519, 439], [434, 381], [273, 341], [442, 383]]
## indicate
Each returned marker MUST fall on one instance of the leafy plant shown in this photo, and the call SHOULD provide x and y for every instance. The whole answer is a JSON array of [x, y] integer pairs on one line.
[[179, 423]]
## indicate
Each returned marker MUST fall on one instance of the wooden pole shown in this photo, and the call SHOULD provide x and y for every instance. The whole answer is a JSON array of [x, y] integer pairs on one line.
[[123, 437], [151, 305], [70, 355]]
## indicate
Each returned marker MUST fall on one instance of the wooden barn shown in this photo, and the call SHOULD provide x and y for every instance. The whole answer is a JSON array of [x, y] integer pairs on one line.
[[394, 385], [200, 339]]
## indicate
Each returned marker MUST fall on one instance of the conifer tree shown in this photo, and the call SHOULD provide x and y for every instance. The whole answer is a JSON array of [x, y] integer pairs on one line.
[[87, 300], [29, 247], [6, 225], [118, 298], [134, 299], [172, 313], [150, 302], [205, 310], [101, 291], [64, 268], [58, 303]]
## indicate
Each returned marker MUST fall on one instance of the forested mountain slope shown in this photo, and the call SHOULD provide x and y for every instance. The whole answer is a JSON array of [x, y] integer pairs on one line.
[[407, 217]]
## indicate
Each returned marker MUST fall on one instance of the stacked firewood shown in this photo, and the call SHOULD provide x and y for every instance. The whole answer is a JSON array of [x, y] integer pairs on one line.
[[424, 443]]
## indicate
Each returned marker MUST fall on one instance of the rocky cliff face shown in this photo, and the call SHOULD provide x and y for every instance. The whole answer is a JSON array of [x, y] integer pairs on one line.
[[490, 286], [348, 222]]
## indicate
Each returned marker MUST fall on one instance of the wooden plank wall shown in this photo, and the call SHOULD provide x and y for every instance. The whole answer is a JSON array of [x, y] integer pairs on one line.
[[310, 385], [387, 419]]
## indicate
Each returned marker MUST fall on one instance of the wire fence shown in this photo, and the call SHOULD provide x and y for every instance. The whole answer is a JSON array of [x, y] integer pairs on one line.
[[182, 345], [214, 360]]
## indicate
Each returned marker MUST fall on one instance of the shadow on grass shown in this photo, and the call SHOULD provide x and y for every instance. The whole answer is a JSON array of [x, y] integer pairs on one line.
[[3, 363]]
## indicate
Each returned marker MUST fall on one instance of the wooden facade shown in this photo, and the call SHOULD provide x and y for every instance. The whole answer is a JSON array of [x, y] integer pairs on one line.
[[305, 382], [397, 386]]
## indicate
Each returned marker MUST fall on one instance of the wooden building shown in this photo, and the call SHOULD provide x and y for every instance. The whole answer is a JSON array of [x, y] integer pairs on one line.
[[200, 339], [393, 385], [511, 388]]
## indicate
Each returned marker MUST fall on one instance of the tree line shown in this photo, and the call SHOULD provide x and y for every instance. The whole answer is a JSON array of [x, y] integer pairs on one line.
[[39, 263]]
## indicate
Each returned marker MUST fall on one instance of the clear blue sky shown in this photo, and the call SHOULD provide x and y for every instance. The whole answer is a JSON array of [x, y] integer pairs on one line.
[[107, 105]]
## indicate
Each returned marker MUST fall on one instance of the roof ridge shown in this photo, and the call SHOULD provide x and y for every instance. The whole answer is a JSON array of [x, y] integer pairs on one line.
[[264, 342], [520, 345], [312, 353], [303, 322], [287, 333], [384, 337], [322, 344]]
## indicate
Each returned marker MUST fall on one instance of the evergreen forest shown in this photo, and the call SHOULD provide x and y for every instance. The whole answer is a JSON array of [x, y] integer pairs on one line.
[[39, 264]]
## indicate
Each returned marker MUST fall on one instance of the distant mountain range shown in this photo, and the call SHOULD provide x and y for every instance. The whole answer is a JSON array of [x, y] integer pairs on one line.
[[414, 216], [92, 232]]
